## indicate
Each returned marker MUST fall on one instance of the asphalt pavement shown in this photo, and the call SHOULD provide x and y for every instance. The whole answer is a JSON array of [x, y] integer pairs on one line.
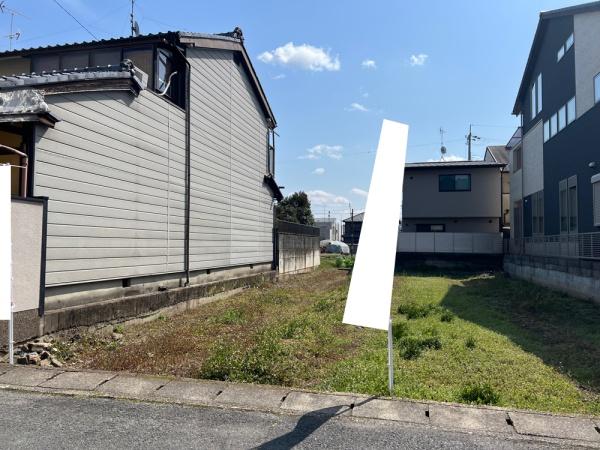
[[42, 421]]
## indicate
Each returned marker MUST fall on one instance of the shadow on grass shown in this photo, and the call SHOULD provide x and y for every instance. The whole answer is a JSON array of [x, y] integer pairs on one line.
[[563, 331]]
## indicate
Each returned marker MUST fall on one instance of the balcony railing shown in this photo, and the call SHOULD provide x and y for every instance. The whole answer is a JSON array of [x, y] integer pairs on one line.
[[582, 245]]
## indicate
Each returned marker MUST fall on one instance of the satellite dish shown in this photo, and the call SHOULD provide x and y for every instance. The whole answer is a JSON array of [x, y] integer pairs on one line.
[[136, 29]]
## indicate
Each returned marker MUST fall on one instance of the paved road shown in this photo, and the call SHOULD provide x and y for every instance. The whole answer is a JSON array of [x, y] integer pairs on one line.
[[31, 420]]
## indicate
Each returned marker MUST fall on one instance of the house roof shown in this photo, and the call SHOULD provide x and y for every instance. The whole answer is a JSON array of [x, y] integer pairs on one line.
[[357, 218], [34, 80], [452, 164], [233, 41], [499, 153], [545, 16]]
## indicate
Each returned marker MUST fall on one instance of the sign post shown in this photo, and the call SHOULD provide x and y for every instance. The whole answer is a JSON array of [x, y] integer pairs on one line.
[[6, 304], [370, 294]]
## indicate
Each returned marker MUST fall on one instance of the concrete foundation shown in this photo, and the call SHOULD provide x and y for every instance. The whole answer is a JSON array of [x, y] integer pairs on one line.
[[119, 309], [576, 277]]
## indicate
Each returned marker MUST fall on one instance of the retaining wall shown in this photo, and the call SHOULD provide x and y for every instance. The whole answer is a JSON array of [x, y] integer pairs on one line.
[[298, 253], [576, 277]]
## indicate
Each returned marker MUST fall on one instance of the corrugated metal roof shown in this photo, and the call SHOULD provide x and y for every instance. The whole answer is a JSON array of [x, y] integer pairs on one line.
[[122, 39], [452, 164]]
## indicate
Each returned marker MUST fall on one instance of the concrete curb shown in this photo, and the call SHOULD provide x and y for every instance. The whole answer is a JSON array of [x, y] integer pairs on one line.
[[506, 424]]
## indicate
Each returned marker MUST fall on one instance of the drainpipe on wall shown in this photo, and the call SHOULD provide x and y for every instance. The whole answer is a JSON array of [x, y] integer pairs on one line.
[[186, 250]]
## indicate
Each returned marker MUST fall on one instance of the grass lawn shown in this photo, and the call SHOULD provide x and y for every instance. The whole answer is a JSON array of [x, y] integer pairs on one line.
[[472, 338]]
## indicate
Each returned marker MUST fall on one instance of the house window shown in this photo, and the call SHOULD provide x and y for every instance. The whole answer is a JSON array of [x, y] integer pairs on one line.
[[568, 205], [533, 102], [596, 199], [271, 152], [539, 93], [563, 206], [553, 125], [537, 212], [597, 88], [546, 130], [454, 183], [562, 118], [569, 43], [571, 113], [560, 53], [518, 158], [572, 198], [430, 228], [163, 71]]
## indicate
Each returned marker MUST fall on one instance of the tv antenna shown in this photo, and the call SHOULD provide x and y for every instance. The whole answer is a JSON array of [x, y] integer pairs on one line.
[[135, 28], [14, 35], [443, 149]]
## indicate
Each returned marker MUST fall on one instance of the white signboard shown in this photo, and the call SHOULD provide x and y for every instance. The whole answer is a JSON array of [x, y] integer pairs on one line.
[[5, 244], [370, 294]]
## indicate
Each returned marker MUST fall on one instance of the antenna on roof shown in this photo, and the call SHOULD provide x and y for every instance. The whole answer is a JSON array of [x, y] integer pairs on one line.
[[14, 35], [442, 146], [135, 28]]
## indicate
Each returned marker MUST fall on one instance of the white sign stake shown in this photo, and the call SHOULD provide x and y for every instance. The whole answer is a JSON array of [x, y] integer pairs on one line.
[[6, 306], [370, 294]]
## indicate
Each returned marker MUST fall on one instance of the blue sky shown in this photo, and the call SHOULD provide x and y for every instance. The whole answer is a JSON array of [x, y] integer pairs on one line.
[[432, 64]]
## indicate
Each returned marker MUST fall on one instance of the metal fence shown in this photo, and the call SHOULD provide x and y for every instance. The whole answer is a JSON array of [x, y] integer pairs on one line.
[[459, 243], [582, 245]]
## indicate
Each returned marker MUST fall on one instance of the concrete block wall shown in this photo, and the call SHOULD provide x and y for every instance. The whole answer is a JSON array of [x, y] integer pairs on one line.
[[576, 277], [298, 253]]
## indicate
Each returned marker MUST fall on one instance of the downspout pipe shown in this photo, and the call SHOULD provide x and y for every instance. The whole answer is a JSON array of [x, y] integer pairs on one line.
[[186, 249]]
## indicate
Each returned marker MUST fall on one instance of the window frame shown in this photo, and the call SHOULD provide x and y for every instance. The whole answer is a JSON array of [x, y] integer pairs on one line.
[[560, 53], [562, 109], [454, 175], [597, 88], [546, 130], [569, 45]]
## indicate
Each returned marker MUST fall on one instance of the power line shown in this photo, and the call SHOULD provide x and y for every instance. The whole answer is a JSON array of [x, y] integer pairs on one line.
[[75, 19]]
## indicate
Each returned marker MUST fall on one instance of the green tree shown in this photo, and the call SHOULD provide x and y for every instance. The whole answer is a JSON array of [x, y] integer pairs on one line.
[[295, 208]]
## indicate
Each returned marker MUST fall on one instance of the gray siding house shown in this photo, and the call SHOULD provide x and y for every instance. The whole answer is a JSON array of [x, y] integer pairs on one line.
[[156, 154], [452, 208]]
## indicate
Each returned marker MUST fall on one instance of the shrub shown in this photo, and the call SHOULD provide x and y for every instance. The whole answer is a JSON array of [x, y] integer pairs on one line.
[[346, 262], [470, 343], [479, 394], [118, 329], [416, 311], [447, 316], [412, 347], [399, 329]]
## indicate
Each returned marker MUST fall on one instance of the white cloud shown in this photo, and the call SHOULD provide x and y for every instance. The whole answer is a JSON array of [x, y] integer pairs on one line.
[[368, 64], [322, 198], [357, 107], [281, 76], [316, 152], [418, 60], [319, 171], [447, 158], [302, 56], [360, 192]]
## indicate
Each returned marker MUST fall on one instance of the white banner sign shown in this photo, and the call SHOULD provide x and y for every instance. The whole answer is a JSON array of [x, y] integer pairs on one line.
[[5, 243], [370, 294]]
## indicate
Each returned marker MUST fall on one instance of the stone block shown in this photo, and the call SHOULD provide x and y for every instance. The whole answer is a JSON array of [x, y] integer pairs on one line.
[[22, 376], [252, 396], [555, 426], [79, 381], [468, 418], [326, 404], [202, 392], [402, 411], [131, 387]]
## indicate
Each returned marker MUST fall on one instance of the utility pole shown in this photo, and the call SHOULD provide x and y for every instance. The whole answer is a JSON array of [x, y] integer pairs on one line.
[[470, 138]]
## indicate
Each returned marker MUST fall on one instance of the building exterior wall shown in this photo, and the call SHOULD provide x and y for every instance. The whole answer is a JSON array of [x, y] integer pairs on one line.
[[231, 208], [113, 168], [533, 160], [587, 58], [455, 225], [422, 198]]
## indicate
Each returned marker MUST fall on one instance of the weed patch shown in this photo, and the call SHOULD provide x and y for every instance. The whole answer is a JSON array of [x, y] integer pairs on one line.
[[414, 310], [479, 394]]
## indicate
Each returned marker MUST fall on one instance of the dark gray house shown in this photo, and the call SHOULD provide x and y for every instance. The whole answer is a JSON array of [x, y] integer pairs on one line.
[[156, 154], [555, 192], [555, 177]]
